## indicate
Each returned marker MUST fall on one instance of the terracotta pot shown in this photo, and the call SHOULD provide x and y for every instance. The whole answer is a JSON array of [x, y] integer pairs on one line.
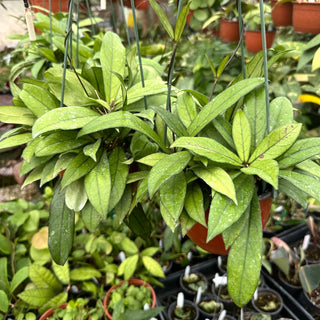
[[138, 4], [135, 282], [306, 17], [55, 7], [229, 30], [253, 40], [50, 312], [281, 13], [198, 233]]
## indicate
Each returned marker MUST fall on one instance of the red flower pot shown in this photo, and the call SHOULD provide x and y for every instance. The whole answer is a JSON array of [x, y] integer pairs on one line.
[[306, 17], [138, 4], [253, 40], [135, 282], [229, 30], [198, 233], [54, 5], [50, 311], [281, 13]]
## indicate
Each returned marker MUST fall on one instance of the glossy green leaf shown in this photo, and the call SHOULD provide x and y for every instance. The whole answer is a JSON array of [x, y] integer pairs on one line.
[[137, 220], [91, 150], [55, 301], [16, 140], [224, 212], [150, 251], [37, 297], [309, 276], [76, 196], [141, 146], [61, 227], [267, 170], [62, 272], [30, 148], [59, 142], [84, 273], [47, 171], [302, 150], [119, 173], [33, 176], [244, 260], [163, 18], [5, 245], [305, 183], [98, 185], [166, 168], [128, 266], [221, 103], [181, 22], [309, 166], [186, 108], [218, 179], [276, 142], [129, 246], [281, 112], [4, 283], [90, 217], [316, 60], [63, 162], [16, 115], [224, 127], [172, 195], [193, 203], [171, 120], [123, 206], [63, 119], [241, 135], [208, 148], [153, 267], [33, 163], [113, 59], [43, 277], [222, 65], [78, 167], [19, 277], [121, 119], [4, 302], [38, 100], [152, 159]]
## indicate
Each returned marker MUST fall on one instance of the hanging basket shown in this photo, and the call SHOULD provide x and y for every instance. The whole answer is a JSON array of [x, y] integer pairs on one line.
[[306, 17], [198, 233], [229, 31], [281, 13], [253, 40], [55, 6]]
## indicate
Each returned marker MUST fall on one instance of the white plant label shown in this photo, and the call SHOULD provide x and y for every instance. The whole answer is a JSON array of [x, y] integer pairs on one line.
[[180, 300], [103, 4], [30, 26]]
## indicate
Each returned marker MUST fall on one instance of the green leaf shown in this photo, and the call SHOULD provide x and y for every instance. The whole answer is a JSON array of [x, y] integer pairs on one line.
[[47, 171], [29, 149], [163, 19], [129, 247], [16, 115], [121, 119], [123, 206], [244, 261], [256, 112], [54, 302], [181, 22], [76, 196], [91, 150], [61, 227], [281, 112], [141, 314], [84, 273], [113, 60], [63, 162], [218, 179], [63, 119], [59, 142], [4, 283], [309, 276], [152, 159], [300, 151], [316, 60], [128, 266], [38, 100], [150, 251], [208, 148], [171, 120], [78, 167], [165, 168], [224, 212], [194, 203], [43, 278], [18, 278], [241, 135], [62, 272], [221, 103], [224, 127], [16, 140], [305, 183], [37, 297], [5, 245], [153, 267], [172, 195], [4, 302], [267, 170], [90, 217], [309, 166], [98, 185], [276, 142], [119, 173], [222, 66], [186, 108]]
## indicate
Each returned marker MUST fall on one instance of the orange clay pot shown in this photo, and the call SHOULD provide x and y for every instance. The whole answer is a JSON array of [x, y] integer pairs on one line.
[[54, 5], [138, 4], [281, 13], [198, 233], [306, 17], [253, 40], [229, 31]]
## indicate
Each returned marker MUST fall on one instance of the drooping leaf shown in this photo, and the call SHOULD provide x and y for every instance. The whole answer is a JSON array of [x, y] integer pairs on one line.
[[19, 277], [63, 162], [16, 115], [276, 142], [61, 227], [309, 166], [224, 127], [244, 261], [15, 140], [90, 217], [123, 206], [48, 170], [221, 103], [208, 148], [293, 192], [33, 176], [43, 277], [76, 196], [224, 212], [62, 272], [91, 150], [98, 185], [172, 195], [165, 168]]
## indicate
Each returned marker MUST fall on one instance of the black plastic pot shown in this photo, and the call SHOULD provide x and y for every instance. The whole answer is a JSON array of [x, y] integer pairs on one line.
[[205, 298], [308, 304], [267, 293], [227, 302], [189, 293], [292, 289], [187, 304]]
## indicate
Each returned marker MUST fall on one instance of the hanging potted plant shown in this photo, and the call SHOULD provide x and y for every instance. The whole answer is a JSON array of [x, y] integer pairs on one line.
[[252, 22], [229, 23], [282, 12]]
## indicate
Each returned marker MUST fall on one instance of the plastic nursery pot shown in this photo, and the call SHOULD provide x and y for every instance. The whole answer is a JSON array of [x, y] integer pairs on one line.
[[229, 31], [138, 4], [312, 254], [311, 302], [221, 294], [189, 307], [306, 17], [253, 40], [135, 282], [281, 14], [208, 306], [293, 289], [196, 280], [198, 233], [56, 5], [50, 311], [268, 302]]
